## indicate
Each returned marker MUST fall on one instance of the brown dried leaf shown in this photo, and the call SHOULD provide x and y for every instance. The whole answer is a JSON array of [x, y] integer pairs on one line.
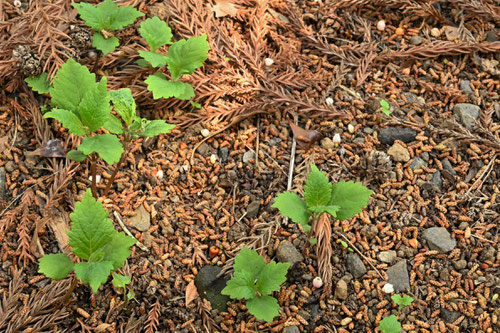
[[305, 138], [4, 143], [59, 225], [191, 293], [224, 8]]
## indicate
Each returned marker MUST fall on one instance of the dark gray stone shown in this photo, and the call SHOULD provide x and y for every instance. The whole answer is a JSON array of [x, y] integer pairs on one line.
[[209, 286], [466, 113], [274, 141], [437, 180], [448, 167], [417, 163], [291, 329], [203, 149], [253, 209], [286, 252], [388, 135], [414, 99], [398, 276], [2, 182], [249, 155], [465, 87], [449, 316], [438, 238], [416, 40], [355, 266], [224, 154], [492, 36]]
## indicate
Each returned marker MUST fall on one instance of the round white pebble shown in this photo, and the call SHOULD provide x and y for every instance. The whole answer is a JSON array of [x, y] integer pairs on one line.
[[205, 132], [317, 282], [159, 174], [268, 61], [213, 158], [381, 25], [329, 101], [350, 128]]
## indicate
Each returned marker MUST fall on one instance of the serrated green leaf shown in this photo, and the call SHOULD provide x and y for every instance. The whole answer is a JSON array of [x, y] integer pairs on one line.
[[120, 281], [156, 33], [105, 45], [241, 286], [332, 210], [76, 155], [155, 59], [390, 325], [68, 119], [249, 261], [108, 146], [195, 105], [114, 125], [55, 266], [72, 82], [351, 197], [39, 83], [317, 190], [91, 228], [185, 56], [162, 88], [107, 15], [118, 249], [124, 104], [263, 307], [271, 277], [142, 63], [95, 108], [155, 127], [313, 241], [292, 206], [402, 301], [93, 273]]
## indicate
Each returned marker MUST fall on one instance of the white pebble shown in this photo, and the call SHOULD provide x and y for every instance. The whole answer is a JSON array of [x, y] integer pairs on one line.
[[17, 3], [213, 158], [329, 101], [381, 25], [159, 174], [336, 139], [268, 62], [97, 178], [185, 167], [435, 32], [388, 288], [205, 132], [317, 282], [350, 128]]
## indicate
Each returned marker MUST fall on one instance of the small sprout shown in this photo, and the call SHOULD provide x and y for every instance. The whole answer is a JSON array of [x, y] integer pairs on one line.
[[205, 132], [313, 241], [402, 301], [317, 282], [390, 324], [336, 139], [381, 25], [386, 108], [329, 101], [388, 288], [350, 128], [494, 297]]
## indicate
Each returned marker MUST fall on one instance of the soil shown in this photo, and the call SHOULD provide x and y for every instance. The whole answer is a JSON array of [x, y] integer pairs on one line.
[[434, 161]]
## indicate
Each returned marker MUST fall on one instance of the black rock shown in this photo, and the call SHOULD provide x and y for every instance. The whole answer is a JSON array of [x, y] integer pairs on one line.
[[209, 286], [388, 135], [449, 316], [398, 276], [224, 154], [355, 266]]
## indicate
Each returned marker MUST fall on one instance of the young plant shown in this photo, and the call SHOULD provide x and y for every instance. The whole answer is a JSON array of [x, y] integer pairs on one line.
[[385, 107], [391, 323], [341, 200], [93, 239], [254, 281], [103, 18], [121, 281], [183, 57], [39, 83]]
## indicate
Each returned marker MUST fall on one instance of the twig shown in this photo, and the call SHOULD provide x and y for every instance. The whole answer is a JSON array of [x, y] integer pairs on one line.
[[484, 175], [139, 244], [292, 165], [257, 145]]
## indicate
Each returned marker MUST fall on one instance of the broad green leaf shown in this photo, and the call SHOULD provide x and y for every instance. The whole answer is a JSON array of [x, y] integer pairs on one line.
[[68, 119], [156, 33], [108, 146], [317, 190], [95, 108], [91, 229], [72, 82], [124, 104], [55, 266], [39, 83], [93, 273], [263, 307], [120, 281], [114, 125], [351, 197], [332, 210], [271, 277], [142, 63], [390, 325], [118, 249], [185, 56], [107, 15], [250, 262], [76, 155], [313, 241], [241, 286], [162, 88], [155, 59], [156, 127], [103, 44], [292, 206], [402, 301]]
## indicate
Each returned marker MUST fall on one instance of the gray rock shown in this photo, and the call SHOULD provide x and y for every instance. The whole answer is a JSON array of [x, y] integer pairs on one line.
[[449, 316], [460, 264], [304, 314], [398, 153], [10, 166], [388, 135], [209, 286], [465, 87], [203, 149], [236, 232], [274, 141], [286, 252], [416, 40], [398, 276], [414, 99], [291, 329], [437, 180], [447, 166], [467, 114], [231, 175], [327, 143], [355, 266], [417, 163], [425, 156], [491, 36], [2, 182], [341, 290], [438, 238], [387, 256], [141, 220], [253, 209], [224, 154], [249, 155], [368, 130]]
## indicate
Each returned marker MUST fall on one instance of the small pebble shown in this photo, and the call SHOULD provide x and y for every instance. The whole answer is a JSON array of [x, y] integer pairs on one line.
[[329, 101], [381, 25], [205, 132], [97, 179], [400, 31], [213, 158], [268, 62], [159, 174], [388, 288], [346, 321], [336, 139], [350, 128], [435, 32], [317, 282]]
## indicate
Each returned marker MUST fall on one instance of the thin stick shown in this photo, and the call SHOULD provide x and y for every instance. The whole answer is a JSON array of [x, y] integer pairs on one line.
[[292, 165], [139, 244], [96, 61], [93, 162], [72, 287], [361, 254], [257, 145]]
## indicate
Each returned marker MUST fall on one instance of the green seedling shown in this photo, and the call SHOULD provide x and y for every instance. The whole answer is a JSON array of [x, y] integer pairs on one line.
[[345, 245], [391, 323], [183, 57], [40, 83], [385, 107], [341, 200], [254, 281], [121, 281], [93, 239]]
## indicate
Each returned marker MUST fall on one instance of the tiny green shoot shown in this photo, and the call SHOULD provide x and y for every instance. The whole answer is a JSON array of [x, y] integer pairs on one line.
[[402, 301], [386, 108], [391, 323], [121, 281]]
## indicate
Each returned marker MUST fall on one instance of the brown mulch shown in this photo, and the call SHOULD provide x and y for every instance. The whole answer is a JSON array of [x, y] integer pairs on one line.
[[198, 189]]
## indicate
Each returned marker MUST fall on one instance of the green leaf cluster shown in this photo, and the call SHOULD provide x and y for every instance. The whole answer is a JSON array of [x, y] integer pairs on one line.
[[341, 200], [254, 281], [402, 301], [390, 324], [386, 108], [93, 239], [107, 16], [39, 83], [183, 57]]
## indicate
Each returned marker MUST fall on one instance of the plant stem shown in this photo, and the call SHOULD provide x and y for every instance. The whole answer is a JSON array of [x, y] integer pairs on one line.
[[70, 291], [96, 61], [126, 141], [93, 162]]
